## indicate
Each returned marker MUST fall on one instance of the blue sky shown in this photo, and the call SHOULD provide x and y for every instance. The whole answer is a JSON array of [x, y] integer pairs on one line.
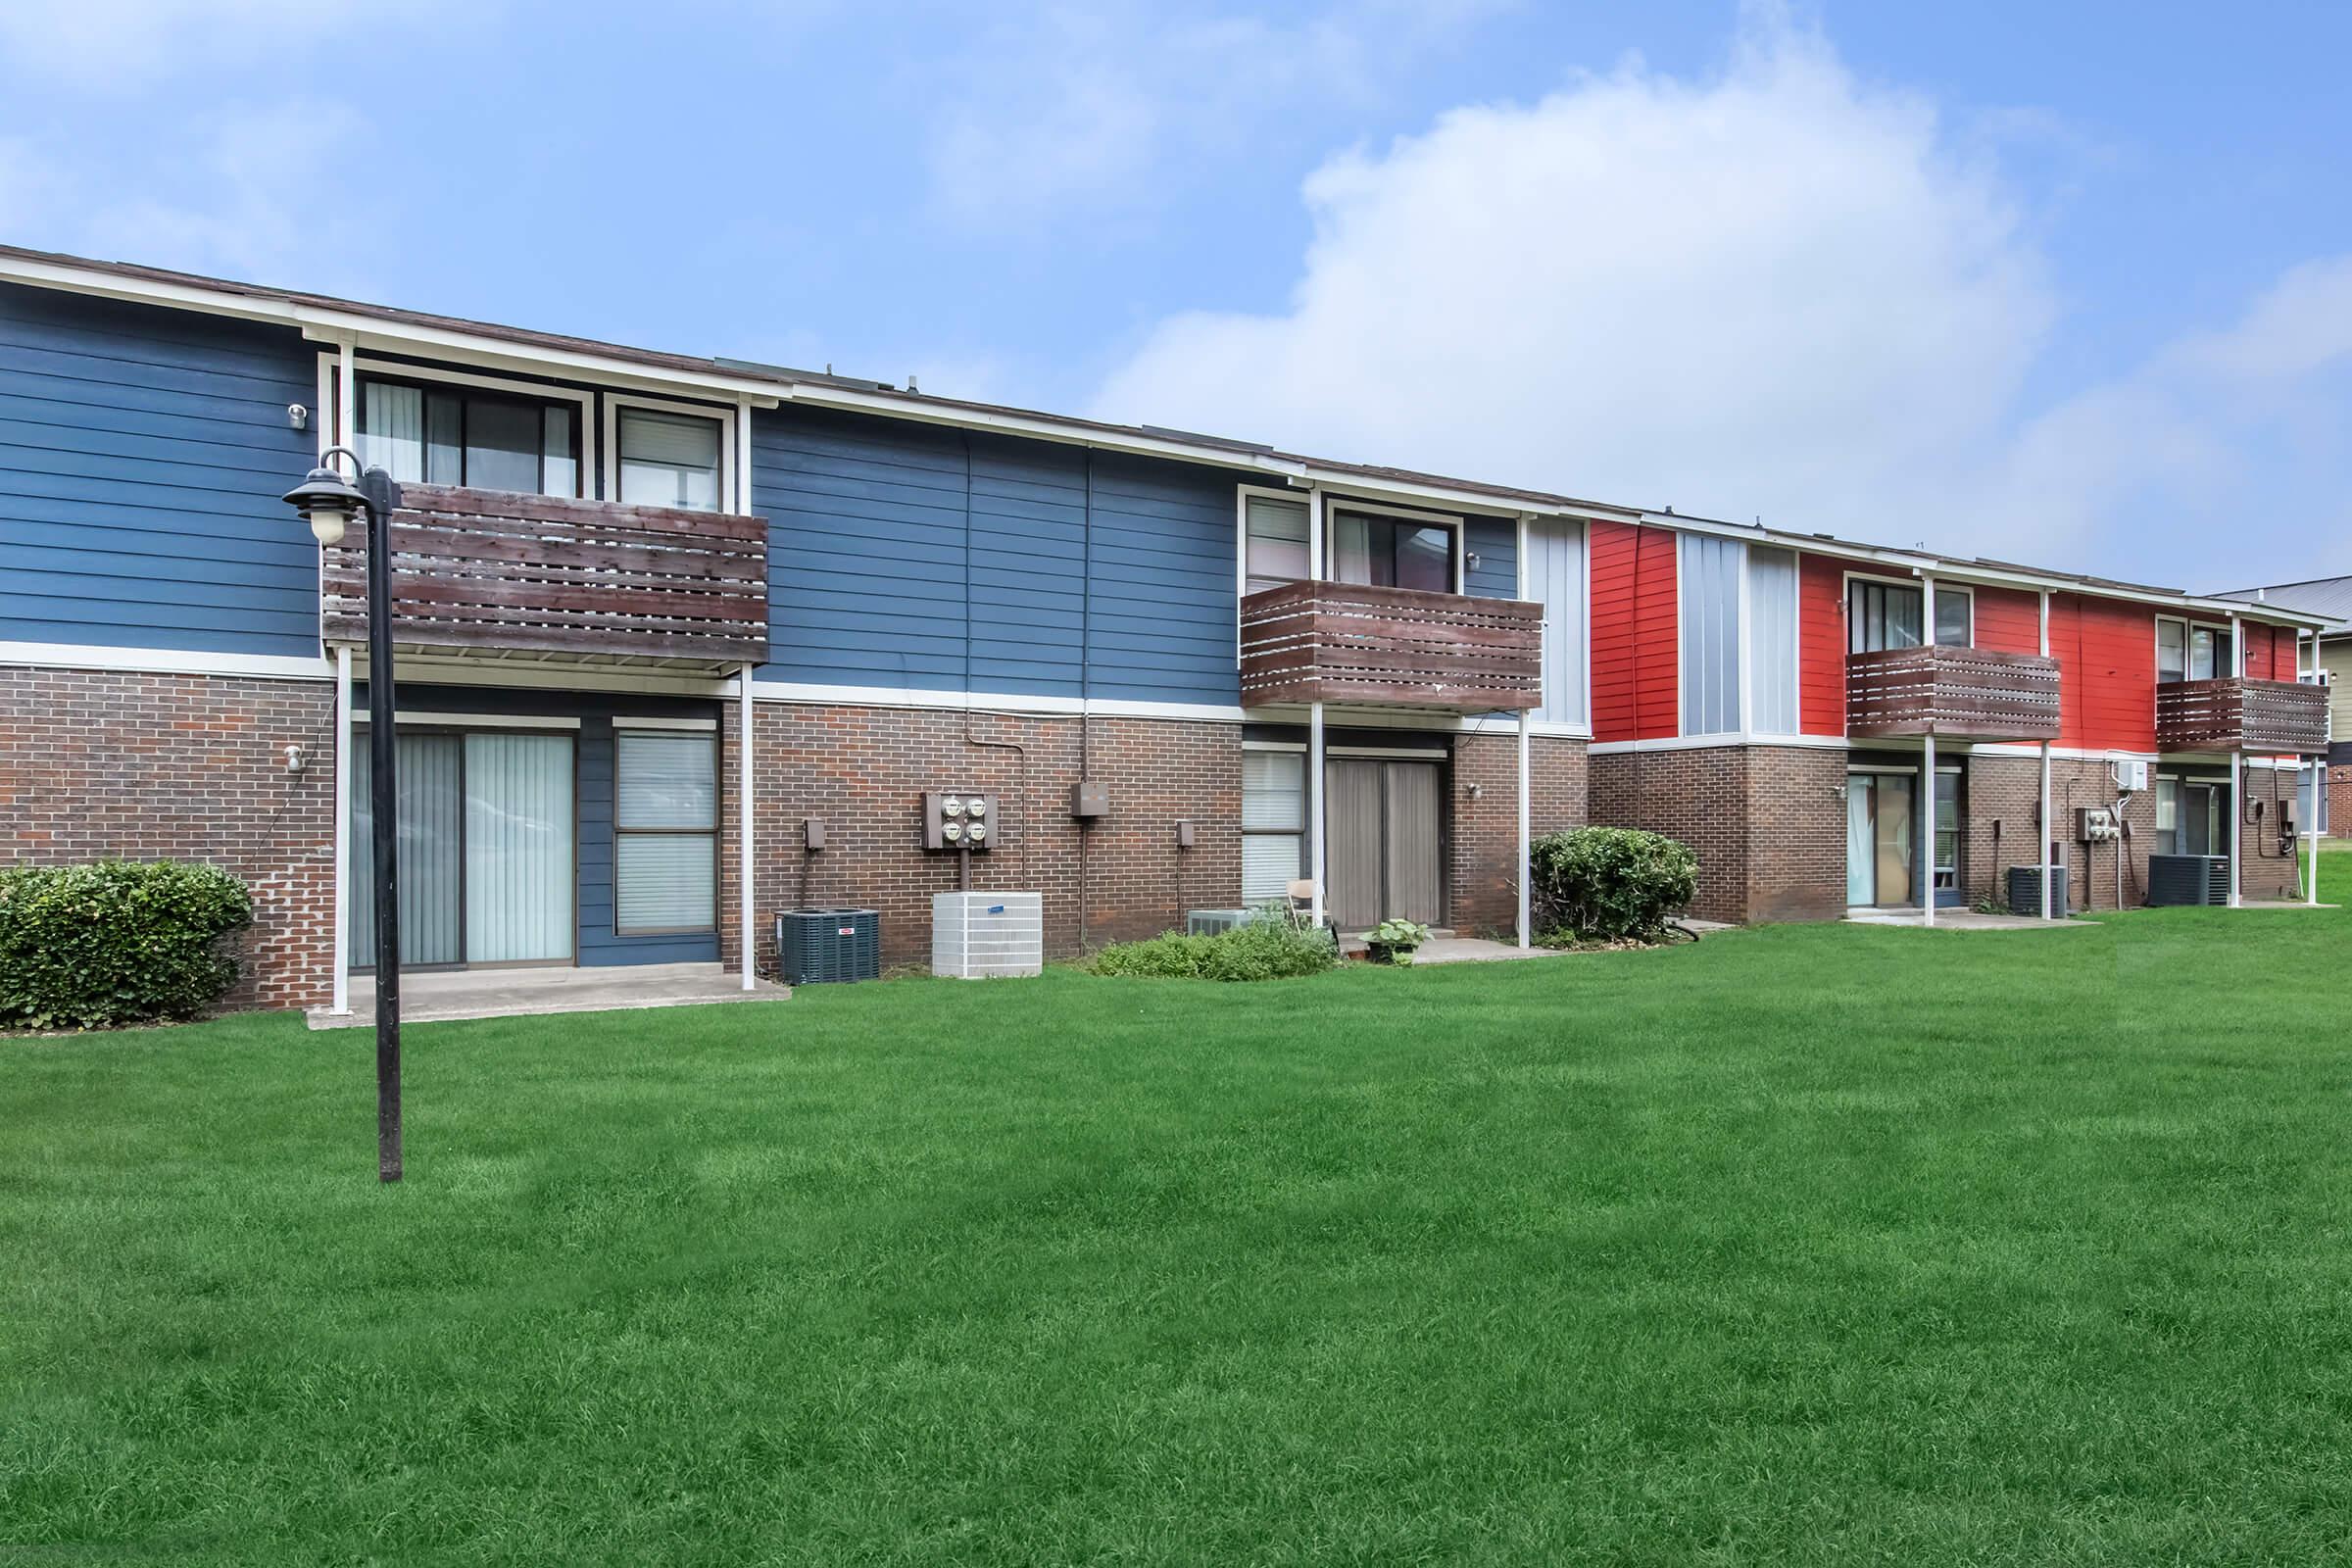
[[2071, 284]]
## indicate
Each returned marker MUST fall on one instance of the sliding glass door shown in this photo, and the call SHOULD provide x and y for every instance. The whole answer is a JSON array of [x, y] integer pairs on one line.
[[1879, 831], [485, 849]]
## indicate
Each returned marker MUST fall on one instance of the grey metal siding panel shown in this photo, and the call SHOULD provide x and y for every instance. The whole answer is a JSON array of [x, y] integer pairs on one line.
[[1494, 541], [870, 523], [142, 454]]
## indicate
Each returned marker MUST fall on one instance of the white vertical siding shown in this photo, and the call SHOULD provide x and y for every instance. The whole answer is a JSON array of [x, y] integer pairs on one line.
[[1772, 641], [1709, 585], [1556, 579]]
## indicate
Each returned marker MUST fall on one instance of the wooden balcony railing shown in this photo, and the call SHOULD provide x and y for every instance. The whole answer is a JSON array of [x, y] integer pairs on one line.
[[478, 571], [1332, 641], [2274, 718], [1965, 692]]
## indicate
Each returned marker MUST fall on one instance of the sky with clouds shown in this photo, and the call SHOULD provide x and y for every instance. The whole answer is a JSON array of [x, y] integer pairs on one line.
[[2068, 284]]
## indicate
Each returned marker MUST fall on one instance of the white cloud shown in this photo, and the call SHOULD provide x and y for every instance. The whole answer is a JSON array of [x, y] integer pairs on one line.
[[1779, 292], [1093, 106]]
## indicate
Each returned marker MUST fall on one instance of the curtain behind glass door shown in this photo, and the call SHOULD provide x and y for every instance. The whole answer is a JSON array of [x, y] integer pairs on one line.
[[428, 769], [518, 838]]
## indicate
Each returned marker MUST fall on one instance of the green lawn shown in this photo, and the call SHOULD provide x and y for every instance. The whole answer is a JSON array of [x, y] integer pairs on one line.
[[1804, 1244]]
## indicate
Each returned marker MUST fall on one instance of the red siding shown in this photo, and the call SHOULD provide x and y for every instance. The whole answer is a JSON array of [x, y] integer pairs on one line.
[[2106, 652], [1821, 644], [2008, 620], [1635, 665]]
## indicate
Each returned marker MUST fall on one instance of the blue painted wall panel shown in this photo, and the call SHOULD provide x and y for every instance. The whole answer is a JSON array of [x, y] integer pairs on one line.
[[1496, 543], [142, 454], [913, 557]]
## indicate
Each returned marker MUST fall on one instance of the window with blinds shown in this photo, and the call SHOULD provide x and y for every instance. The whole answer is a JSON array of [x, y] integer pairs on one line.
[[670, 460], [428, 434], [665, 830], [1273, 824], [1710, 580], [1275, 546]]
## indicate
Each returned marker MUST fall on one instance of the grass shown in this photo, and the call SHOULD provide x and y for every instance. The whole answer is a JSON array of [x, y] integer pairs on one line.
[[1802, 1244]]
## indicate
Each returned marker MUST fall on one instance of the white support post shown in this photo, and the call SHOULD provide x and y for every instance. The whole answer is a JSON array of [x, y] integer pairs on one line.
[[2238, 773], [1927, 782], [2042, 854], [342, 1003], [1524, 935], [1926, 827], [1314, 807], [744, 815], [2311, 835]]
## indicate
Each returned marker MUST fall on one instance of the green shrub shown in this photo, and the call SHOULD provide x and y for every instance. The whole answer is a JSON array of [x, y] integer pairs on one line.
[[1610, 883], [1267, 947], [85, 947]]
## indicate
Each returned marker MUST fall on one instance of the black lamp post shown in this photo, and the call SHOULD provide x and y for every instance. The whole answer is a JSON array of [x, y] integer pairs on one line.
[[327, 501]]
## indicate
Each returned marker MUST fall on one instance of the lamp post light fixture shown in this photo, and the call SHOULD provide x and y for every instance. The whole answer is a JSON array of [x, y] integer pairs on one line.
[[326, 501]]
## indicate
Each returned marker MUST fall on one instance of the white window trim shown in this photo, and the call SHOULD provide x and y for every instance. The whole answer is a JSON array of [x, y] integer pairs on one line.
[[623, 726], [1927, 624], [1967, 591], [2189, 626], [343, 420], [724, 418]]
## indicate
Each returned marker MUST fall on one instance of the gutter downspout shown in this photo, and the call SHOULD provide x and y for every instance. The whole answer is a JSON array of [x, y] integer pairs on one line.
[[746, 808]]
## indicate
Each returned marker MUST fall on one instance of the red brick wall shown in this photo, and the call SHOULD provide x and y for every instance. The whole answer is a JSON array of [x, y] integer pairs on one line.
[[1764, 821], [863, 771], [147, 767], [1484, 874], [2339, 802]]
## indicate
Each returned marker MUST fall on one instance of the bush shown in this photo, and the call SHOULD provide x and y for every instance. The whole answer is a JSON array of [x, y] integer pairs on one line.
[[1267, 947], [1610, 883], [85, 947]]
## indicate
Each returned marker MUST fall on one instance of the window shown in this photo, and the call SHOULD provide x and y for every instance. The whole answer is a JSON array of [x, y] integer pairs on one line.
[[1772, 641], [1274, 550], [2190, 653], [1947, 830], [1711, 626], [431, 434], [1273, 824], [2172, 659], [2168, 814], [665, 819], [670, 460], [1391, 552], [1880, 615], [1955, 617]]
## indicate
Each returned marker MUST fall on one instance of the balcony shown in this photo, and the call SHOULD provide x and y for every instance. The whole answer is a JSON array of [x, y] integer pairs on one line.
[[1960, 693], [1332, 641], [485, 573], [2273, 718]]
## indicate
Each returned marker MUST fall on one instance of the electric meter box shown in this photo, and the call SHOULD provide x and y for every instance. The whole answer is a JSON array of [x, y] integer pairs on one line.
[[960, 819]]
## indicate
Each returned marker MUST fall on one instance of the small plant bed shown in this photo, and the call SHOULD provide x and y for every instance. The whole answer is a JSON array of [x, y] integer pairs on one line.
[[1610, 888], [1271, 945], [1395, 940]]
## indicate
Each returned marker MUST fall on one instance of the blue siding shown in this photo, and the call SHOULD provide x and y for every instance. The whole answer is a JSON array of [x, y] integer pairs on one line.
[[597, 942], [871, 522], [1496, 543], [142, 454]]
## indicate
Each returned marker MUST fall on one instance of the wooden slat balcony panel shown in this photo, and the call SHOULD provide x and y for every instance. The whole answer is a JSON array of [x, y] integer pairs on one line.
[[1958, 693], [478, 570], [1348, 643], [2237, 714]]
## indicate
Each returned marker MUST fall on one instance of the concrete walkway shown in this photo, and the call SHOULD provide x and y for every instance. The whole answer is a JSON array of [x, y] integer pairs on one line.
[[447, 995], [1476, 950], [1963, 920]]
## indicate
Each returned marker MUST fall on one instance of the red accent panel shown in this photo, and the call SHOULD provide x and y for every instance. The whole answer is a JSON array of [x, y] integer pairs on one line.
[[2008, 620], [2107, 655], [1635, 664], [1821, 644]]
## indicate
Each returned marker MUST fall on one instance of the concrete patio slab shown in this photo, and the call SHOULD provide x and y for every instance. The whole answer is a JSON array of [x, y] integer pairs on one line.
[[1963, 920], [1476, 950], [443, 997]]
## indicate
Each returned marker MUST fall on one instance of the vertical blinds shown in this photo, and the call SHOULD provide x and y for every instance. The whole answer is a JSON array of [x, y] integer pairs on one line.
[[518, 837]]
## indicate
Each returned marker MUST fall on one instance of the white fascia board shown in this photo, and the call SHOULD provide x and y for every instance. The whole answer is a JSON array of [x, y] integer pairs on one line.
[[1700, 743], [1019, 703], [323, 324], [166, 662]]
